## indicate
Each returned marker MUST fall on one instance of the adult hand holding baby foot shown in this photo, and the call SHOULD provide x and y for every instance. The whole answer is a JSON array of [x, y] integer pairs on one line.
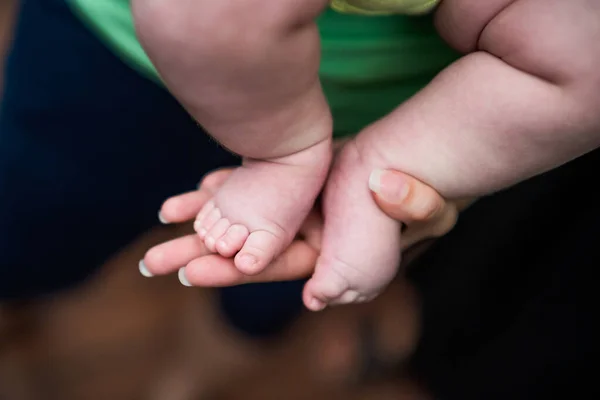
[[426, 214]]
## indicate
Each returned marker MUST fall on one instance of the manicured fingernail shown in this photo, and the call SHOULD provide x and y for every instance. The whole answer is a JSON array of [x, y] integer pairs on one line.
[[144, 270], [162, 219], [389, 186], [182, 278]]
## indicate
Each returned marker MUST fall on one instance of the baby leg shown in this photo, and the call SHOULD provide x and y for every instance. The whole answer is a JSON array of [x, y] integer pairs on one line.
[[254, 86], [361, 245]]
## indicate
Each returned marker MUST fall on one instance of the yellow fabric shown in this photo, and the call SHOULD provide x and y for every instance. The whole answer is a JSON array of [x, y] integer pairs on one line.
[[384, 7]]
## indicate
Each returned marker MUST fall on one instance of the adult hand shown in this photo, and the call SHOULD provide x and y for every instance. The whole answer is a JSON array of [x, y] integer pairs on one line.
[[203, 268], [425, 213]]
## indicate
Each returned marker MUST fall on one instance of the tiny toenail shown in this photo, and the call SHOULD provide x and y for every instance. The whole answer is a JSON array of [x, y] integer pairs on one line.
[[210, 241], [162, 219], [202, 232], [237, 229], [144, 270], [248, 260], [182, 278], [316, 305]]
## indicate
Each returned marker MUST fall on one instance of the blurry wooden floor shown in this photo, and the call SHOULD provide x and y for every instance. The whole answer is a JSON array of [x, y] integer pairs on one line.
[[123, 337]]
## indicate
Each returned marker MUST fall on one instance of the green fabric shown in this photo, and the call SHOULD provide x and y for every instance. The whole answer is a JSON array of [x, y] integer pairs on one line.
[[372, 64], [369, 64], [113, 22]]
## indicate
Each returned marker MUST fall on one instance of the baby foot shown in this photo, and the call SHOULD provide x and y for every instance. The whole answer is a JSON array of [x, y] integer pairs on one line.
[[361, 245], [257, 212]]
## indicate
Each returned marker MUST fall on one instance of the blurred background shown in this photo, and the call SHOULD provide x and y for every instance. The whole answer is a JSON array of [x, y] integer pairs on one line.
[[507, 299], [123, 337]]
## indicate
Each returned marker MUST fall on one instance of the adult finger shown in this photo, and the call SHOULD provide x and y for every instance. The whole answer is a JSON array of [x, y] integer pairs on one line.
[[207, 269], [170, 256], [215, 179], [185, 207], [438, 226], [297, 262], [405, 198]]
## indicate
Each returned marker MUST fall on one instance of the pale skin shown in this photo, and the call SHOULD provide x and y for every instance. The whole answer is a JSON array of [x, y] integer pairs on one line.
[[521, 101], [426, 215]]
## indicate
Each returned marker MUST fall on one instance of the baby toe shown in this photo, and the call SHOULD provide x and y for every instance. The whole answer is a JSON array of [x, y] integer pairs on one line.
[[314, 298], [215, 233], [198, 223], [314, 303], [326, 286], [258, 251], [232, 240], [207, 223], [348, 297]]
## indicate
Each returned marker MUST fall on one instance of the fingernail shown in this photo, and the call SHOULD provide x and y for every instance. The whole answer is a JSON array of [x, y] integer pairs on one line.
[[162, 219], [182, 278], [389, 186], [144, 270]]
